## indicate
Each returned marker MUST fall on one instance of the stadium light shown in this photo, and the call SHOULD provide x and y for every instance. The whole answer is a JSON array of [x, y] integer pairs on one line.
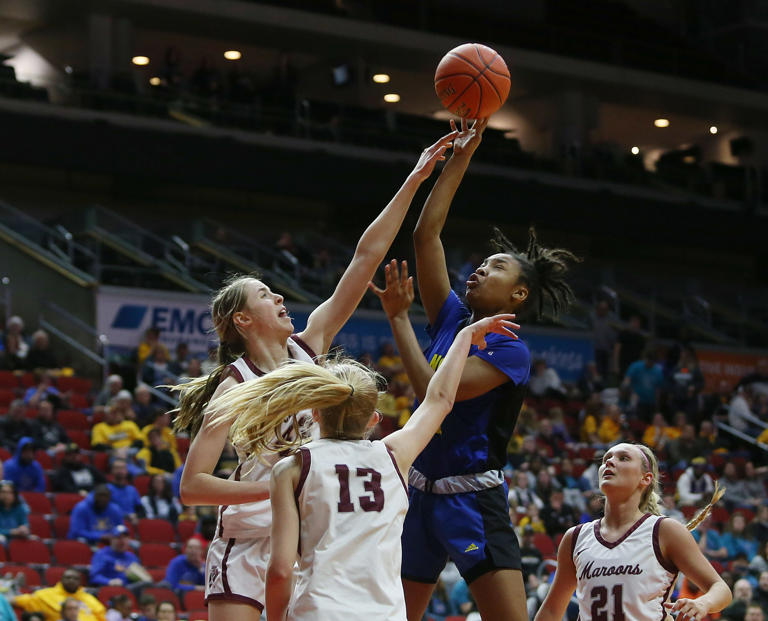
[[381, 78], [391, 97], [154, 81], [635, 150], [713, 129], [661, 122], [140, 60], [233, 55]]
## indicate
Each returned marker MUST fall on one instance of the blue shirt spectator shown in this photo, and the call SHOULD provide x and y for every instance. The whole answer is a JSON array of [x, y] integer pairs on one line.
[[27, 475], [187, 571], [176, 483], [108, 565], [13, 512], [96, 517], [125, 495], [645, 377]]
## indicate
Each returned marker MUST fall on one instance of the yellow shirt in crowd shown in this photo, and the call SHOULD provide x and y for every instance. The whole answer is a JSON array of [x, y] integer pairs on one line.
[[117, 436], [49, 601]]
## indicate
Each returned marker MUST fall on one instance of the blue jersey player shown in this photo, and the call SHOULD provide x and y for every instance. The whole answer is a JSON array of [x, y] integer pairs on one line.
[[458, 499]]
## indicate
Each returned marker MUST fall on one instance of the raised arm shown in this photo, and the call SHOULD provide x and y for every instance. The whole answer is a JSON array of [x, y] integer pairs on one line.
[[198, 485], [478, 376], [328, 318], [409, 441], [434, 282]]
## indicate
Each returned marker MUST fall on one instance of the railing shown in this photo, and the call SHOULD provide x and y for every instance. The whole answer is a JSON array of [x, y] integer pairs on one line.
[[98, 352], [743, 436]]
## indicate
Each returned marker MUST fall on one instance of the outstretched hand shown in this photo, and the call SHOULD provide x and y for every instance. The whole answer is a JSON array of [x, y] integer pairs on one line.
[[469, 138], [432, 155], [397, 295], [687, 609], [500, 324]]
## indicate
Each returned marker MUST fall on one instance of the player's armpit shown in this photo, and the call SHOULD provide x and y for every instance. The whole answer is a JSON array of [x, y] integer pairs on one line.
[[478, 378]]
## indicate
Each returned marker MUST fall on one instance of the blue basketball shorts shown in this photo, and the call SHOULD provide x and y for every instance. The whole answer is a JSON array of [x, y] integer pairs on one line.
[[472, 529]]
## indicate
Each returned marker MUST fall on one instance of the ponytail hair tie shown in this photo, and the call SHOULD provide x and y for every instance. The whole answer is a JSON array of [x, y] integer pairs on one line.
[[352, 390]]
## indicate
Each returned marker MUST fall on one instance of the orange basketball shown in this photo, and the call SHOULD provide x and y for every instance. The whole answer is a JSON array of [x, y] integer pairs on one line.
[[472, 81]]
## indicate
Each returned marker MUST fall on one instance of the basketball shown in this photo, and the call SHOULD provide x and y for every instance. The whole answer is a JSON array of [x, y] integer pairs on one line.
[[472, 81]]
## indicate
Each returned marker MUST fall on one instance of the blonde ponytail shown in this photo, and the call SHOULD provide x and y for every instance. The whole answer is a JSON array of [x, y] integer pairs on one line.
[[344, 392], [650, 498], [717, 494]]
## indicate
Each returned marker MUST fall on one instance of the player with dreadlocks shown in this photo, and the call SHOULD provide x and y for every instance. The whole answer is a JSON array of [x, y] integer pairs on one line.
[[458, 498]]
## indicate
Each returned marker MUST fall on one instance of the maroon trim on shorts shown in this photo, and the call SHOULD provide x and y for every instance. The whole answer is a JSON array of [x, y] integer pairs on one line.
[[400, 474], [666, 564], [232, 597], [306, 460], [300, 342], [574, 539], [224, 560], [235, 372], [613, 544]]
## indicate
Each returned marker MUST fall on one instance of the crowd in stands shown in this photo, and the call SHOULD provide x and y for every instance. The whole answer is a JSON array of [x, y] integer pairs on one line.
[[104, 474]]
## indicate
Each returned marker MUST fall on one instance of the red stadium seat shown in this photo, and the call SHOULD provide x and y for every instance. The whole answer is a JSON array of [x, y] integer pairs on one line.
[[106, 593], [5, 454], [156, 554], [28, 551], [186, 528], [689, 511], [6, 396], [100, 461], [156, 531], [163, 595], [38, 502], [81, 438], [73, 419], [141, 483], [44, 459], [157, 573], [31, 575], [65, 502], [545, 545], [8, 380], [61, 526], [39, 525], [54, 573], [720, 515], [717, 566], [27, 380], [182, 444], [3, 558], [72, 553], [78, 401], [748, 514], [75, 384], [194, 600]]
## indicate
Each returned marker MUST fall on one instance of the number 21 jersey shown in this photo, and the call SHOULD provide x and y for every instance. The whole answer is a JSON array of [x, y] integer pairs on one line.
[[352, 501], [623, 580]]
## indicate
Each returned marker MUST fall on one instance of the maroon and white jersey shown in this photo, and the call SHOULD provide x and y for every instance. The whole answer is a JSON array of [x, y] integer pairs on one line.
[[253, 520], [624, 580], [352, 501]]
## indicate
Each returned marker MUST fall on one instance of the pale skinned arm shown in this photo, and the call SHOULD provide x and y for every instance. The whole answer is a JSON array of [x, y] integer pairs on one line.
[[327, 319], [677, 545], [434, 282], [198, 485], [556, 602], [478, 376], [284, 538], [409, 441]]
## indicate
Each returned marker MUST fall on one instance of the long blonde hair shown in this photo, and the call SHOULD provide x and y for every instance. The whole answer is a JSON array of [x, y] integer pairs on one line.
[[650, 498], [195, 394], [344, 391]]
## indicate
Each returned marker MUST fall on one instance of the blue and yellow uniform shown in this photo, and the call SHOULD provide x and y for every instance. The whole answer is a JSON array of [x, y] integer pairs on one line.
[[458, 498]]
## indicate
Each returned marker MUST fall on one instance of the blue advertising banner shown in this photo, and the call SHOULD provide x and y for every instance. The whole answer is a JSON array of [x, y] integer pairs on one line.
[[566, 352]]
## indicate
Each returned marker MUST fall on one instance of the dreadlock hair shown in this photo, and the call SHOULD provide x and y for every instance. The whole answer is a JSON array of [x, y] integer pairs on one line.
[[195, 394], [344, 391], [542, 269], [649, 500]]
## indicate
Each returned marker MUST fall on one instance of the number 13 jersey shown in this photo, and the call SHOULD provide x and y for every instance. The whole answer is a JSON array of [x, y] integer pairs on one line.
[[624, 580], [352, 501]]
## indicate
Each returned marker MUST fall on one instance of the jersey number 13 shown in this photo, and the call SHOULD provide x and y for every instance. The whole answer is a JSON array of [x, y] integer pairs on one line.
[[373, 502]]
